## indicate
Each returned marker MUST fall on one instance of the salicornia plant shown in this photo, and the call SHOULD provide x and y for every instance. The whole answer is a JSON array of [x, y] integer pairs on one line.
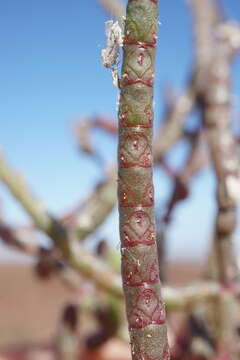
[[141, 283]]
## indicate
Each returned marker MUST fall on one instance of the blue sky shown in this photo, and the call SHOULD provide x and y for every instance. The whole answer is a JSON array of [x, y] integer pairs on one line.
[[51, 74]]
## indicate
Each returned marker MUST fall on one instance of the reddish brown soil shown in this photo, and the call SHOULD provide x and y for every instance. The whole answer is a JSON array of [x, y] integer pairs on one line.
[[29, 308]]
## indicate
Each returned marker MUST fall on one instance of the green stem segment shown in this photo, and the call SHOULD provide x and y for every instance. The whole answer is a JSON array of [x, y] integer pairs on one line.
[[141, 283]]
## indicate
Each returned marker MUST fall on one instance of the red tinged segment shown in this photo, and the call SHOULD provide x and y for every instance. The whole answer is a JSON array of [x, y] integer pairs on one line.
[[148, 310], [130, 38], [144, 44], [136, 152], [142, 73], [135, 275], [149, 114], [127, 80], [138, 230], [127, 197], [140, 58], [148, 195], [140, 121]]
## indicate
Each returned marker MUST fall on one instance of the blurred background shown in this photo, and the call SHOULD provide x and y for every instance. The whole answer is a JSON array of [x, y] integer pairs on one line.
[[53, 85]]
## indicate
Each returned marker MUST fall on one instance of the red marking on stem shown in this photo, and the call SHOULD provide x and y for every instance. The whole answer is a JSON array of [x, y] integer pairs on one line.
[[124, 115], [136, 152], [127, 119], [148, 310], [127, 123], [135, 275], [148, 195], [153, 1], [149, 113], [138, 230], [127, 80], [140, 59], [131, 35], [127, 197], [142, 44]]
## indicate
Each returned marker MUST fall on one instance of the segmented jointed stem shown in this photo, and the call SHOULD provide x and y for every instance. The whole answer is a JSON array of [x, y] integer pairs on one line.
[[217, 117], [144, 305]]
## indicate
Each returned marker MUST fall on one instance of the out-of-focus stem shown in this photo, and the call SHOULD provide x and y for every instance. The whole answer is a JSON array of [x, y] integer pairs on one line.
[[175, 298], [216, 101], [74, 254], [172, 129], [216, 105], [195, 161], [11, 238], [43, 220], [67, 337], [95, 208], [206, 17], [94, 269]]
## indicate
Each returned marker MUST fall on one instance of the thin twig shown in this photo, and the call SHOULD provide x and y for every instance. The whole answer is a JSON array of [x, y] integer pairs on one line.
[[74, 254], [172, 129], [95, 208]]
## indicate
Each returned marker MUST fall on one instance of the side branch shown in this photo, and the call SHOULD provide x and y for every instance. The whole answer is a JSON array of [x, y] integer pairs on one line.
[[74, 254], [95, 208], [175, 298]]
